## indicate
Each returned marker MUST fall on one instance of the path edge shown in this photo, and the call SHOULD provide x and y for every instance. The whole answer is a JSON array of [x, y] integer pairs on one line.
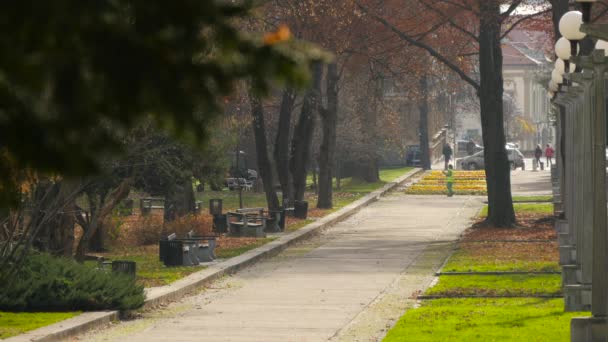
[[155, 297]]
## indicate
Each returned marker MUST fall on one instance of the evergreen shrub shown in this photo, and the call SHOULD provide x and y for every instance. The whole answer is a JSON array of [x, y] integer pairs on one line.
[[47, 283]]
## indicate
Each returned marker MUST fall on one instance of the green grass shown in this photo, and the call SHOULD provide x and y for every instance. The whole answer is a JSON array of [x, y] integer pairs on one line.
[[151, 271], [232, 252], [349, 186], [467, 264], [518, 284], [513, 319], [469, 260], [353, 185], [525, 208], [15, 323], [547, 198], [298, 225]]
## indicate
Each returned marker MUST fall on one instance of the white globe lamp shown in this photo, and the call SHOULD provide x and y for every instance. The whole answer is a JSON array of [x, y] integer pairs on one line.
[[562, 49], [602, 45], [557, 77], [570, 26]]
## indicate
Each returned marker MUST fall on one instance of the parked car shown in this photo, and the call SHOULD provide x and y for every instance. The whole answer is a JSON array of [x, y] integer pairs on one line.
[[477, 162], [235, 183], [461, 148]]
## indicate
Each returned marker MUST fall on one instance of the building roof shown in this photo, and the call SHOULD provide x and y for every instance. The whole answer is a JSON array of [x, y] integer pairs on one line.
[[524, 47]]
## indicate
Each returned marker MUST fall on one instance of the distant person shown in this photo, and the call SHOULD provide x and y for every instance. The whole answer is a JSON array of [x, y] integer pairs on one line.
[[538, 152], [447, 155], [449, 181], [471, 147], [549, 155]]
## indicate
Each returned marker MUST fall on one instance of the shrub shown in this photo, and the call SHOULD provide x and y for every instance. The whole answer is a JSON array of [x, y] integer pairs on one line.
[[47, 283], [201, 225]]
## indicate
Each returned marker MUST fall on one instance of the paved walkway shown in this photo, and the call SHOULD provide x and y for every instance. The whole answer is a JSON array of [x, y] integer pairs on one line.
[[347, 284]]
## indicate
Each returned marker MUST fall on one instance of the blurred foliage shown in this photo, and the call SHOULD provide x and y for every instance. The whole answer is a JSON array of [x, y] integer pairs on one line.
[[76, 76]]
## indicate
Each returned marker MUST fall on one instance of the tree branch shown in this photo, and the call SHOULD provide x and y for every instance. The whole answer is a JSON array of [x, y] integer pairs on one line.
[[451, 22], [423, 46], [511, 9], [522, 19]]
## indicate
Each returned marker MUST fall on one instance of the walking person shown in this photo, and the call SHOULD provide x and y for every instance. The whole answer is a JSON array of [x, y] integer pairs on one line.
[[538, 153], [549, 155], [449, 181], [447, 155]]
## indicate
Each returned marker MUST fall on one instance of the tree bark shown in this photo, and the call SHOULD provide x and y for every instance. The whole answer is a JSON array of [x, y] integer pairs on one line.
[[423, 107], [367, 169], [281, 146], [179, 199], [558, 9], [329, 118], [103, 209], [264, 166], [498, 176], [302, 137]]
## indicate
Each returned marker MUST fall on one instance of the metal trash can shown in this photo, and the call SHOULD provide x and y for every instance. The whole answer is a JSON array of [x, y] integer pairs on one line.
[[181, 253], [300, 209], [124, 266]]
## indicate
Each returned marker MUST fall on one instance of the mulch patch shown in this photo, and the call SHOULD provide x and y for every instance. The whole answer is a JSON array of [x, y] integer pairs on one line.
[[529, 227], [506, 252]]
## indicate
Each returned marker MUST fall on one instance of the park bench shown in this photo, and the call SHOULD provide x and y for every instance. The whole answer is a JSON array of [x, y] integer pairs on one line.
[[189, 251], [247, 222], [147, 204], [117, 266]]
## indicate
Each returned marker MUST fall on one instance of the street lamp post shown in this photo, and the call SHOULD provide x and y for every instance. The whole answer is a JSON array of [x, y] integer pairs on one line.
[[584, 97]]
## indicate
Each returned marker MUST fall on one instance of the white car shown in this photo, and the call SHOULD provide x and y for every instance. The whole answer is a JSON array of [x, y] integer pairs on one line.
[[477, 162]]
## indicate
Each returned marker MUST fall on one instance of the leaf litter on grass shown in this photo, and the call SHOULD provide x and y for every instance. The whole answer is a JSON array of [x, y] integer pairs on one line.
[[504, 257], [530, 227]]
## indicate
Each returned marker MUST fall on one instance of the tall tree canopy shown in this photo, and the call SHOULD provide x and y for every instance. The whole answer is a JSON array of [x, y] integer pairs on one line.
[[75, 76]]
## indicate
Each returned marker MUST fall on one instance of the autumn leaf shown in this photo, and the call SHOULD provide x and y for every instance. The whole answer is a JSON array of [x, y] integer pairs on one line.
[[281, 34]]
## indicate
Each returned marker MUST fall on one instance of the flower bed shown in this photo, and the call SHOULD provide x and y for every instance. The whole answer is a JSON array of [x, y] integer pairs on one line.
[[465, 183]]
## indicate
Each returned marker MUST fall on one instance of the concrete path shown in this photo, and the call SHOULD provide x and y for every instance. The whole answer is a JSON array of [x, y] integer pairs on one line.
[[531, 183], [349, 283]]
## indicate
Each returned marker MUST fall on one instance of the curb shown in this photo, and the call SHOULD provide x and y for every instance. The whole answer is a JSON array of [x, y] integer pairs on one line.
[[159, 295]]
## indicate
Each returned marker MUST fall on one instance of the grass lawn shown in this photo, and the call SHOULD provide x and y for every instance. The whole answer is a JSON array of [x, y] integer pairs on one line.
[[152, 272], [353, 185], [477, 285], [513, 319], [547, 198], [526, 208], [349, 186], [15, 323], [497, 256]]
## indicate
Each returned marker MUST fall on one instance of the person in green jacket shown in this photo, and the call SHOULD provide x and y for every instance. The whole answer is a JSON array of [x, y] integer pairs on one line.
[[450, 179]]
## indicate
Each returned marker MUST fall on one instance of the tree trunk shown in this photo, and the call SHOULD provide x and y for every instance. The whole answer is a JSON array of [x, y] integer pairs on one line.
[[103, 208], [338, 175], [329, 118], [264, 166], [498, 176], [302, 137], [367, 168], [281, 147], [423, 107], [179, 199], [558, 9]]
